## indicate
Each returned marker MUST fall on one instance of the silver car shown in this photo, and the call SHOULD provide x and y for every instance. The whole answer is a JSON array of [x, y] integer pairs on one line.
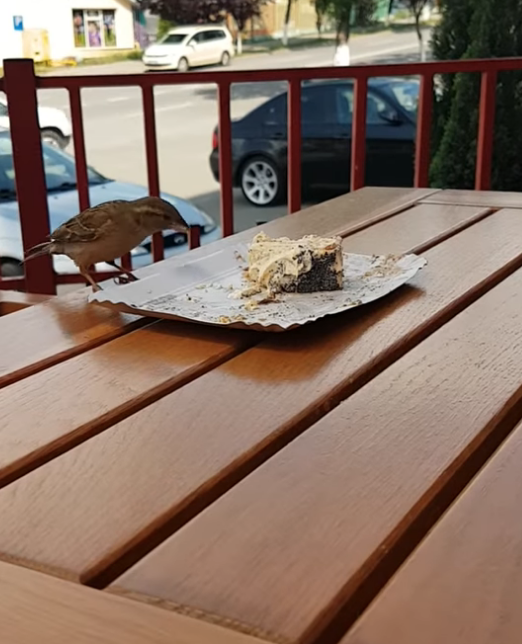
[[63, 202]]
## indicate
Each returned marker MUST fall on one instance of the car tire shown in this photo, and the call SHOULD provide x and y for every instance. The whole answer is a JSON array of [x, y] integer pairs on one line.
[[54, 138], [225, 59], [183, 65], [11, 268], [261, 182]]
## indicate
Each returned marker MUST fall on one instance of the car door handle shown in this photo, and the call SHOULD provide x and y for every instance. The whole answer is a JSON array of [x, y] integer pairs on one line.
[[279, 135]]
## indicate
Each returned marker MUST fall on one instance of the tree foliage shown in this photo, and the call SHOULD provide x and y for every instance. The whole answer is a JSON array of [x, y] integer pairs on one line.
[[346, 13], [183, 12], [477, 29]]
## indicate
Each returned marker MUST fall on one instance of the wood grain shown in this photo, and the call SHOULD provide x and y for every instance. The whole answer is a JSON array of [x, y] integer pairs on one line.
[[11, 301], [294, 543], [139, 480], [38, 609], [464, 582], [483, 198], [33, 339], [51, 411]]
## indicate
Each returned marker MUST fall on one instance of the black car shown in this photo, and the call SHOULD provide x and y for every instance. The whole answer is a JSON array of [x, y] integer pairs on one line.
[[259, 140]]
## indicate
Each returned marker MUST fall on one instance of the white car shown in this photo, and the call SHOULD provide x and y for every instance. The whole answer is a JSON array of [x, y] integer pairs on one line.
[[55, 127], [186, 47]]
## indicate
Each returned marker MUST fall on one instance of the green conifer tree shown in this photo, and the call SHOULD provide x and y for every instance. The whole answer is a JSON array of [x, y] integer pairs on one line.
[[477, 29]]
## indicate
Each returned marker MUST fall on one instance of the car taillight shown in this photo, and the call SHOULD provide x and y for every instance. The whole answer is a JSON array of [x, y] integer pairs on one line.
[[214, 140]]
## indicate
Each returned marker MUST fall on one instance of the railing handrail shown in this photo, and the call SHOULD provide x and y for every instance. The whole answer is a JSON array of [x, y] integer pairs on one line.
[[21, 84], [273, 75]]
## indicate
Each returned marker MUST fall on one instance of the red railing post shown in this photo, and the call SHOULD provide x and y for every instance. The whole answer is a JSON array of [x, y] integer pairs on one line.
[[294, 145], [486, 130], [358, 165], [194, 237], [151, 150], [225, 159], [20, 89], [79, 148], [423, 140]]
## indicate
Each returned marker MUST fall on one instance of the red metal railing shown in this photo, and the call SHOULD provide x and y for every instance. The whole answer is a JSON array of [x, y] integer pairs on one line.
[[21, 84]]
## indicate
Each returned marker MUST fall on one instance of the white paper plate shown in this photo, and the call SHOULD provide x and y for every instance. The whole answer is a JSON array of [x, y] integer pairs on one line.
[[203, 291]]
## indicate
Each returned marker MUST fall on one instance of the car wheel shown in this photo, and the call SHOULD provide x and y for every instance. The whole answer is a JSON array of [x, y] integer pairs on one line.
[[183, 65], [54, 138], [225, 59], [11, 268], [261, 182]]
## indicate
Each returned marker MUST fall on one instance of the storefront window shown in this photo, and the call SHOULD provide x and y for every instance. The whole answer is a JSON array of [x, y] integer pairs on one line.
[[94, 28]]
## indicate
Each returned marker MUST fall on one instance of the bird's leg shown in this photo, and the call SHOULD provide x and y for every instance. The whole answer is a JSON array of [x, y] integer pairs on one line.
[[123, 271], [88, 277]]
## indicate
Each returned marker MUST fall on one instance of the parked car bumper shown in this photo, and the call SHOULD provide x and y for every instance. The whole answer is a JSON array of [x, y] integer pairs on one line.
[[160, 63], [214, 168], [214, 164]]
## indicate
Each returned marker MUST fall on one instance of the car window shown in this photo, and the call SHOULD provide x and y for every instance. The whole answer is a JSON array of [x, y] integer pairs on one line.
[[407, 94], [60, 171], [274, 112], [198, 38], [344, 104], [317, 105], [376, 107], [215, 34], [3, 109], [173, 39]]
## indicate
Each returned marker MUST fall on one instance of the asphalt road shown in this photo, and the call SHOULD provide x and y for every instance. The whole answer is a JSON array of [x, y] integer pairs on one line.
[[186, 116]]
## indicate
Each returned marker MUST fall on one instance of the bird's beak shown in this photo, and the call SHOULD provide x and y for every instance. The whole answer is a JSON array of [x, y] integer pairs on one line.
[[180, 227]]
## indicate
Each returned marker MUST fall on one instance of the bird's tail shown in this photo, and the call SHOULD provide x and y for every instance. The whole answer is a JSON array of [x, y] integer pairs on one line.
[[38, 250]]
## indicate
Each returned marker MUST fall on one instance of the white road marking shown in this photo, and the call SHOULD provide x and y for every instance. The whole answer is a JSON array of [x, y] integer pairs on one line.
[[166, 108], [179, 106]]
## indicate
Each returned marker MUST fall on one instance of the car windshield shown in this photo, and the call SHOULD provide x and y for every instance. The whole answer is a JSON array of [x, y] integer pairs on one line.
[[173, 39], [407, 93], [60, 170]]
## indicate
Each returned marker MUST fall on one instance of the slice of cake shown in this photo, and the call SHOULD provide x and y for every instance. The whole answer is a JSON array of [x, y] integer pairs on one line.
[[303, 265]]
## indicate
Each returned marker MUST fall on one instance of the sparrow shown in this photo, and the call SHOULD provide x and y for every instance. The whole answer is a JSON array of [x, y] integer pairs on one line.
[[108, 231]]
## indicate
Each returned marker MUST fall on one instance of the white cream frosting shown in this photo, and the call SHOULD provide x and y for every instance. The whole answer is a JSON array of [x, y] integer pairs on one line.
[[274, 264]]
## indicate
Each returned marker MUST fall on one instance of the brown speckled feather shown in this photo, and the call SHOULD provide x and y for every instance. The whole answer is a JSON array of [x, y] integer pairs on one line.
[[91, 224]]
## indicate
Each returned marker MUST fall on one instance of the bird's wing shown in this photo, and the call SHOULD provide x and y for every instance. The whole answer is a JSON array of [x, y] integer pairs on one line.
[[89, 225]]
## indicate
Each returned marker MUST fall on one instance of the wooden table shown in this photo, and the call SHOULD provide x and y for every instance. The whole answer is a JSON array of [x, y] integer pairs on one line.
[[359, 479]]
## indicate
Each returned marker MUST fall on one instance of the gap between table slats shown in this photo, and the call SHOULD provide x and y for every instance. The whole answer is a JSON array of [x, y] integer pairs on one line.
[[158, 468], [301, 546], [464, 582], [38, 609], [44, 335], [477, 198]]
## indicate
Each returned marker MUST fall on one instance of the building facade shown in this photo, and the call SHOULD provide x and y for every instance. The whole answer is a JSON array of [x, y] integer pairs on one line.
[[71, 28]]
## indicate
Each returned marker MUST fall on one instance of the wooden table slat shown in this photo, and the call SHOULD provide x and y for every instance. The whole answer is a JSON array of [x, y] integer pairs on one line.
[[139, 480], [40, 336], [38, 609], [481, 198], [290, 546], [463, 584], [36, 338], [100, 387]]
